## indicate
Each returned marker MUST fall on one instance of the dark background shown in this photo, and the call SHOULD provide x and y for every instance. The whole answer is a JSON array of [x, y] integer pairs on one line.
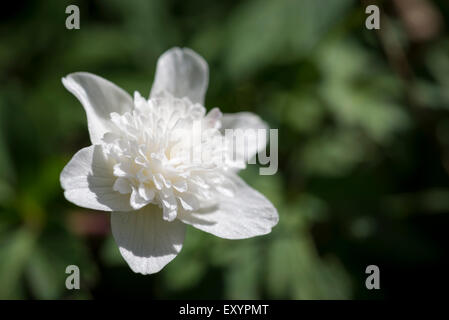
[[363, 119]]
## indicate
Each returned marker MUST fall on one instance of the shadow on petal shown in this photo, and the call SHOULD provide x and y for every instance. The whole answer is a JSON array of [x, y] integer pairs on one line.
[[101, 180], [146, 241]]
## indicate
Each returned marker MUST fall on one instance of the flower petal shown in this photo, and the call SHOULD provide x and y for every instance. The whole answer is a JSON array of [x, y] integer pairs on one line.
[[136, 200], [146, 241], [99, 98], [246, 214], [88, 182], [182, 73], [249, 123]]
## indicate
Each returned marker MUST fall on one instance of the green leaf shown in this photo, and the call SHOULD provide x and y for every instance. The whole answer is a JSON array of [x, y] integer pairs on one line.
[[46, 281], [296, 271], [64, 249], [110, 253], [284, 29], [333, 153], [243, 276], [191, 264], [15, 251]]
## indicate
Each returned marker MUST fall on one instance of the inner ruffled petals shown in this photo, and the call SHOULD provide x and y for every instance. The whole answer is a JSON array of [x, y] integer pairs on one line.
[[155, 149]]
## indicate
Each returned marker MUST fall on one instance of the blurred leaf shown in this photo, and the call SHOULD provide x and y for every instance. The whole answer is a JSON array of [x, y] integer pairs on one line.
[[63, 249], [431, 201], [303, 111], [43, 276], [243, 274], [191, 264], [95, 46], [332, 153], [15, 251], [358, 104], [149, 28], [430, 95], [358, 107], [184, 274], [6, 191], [437, 61], [279, 273], [303, 24], [110, 253], [295, 271], [310, 207], [7, 173]]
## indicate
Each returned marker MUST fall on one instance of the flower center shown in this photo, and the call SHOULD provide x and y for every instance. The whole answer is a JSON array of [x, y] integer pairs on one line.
[[169, 153]]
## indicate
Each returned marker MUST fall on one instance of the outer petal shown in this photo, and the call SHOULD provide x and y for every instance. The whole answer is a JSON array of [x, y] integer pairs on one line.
[[183, 73], [244, 215], [246, 121], [99, 98], [88, 182], [146, 241]]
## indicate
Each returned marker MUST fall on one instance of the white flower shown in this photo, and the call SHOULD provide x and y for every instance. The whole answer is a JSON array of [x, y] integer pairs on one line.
[[140, 164]]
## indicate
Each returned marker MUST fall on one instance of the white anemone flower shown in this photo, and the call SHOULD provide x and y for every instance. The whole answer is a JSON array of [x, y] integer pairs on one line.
[[140, 167]]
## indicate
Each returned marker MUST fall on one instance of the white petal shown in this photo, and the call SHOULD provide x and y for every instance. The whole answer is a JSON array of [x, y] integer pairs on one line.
[[146, 241], [122, 185], [88, 182], [99, 98], [247, 214], [169, 205], [188, 201], [136, 200], [182, 73], [180, 185], [213, 118], [246, 121], [146, 193]]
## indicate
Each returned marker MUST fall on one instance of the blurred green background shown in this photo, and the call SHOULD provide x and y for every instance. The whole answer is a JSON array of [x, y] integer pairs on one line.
[[363, 119]]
